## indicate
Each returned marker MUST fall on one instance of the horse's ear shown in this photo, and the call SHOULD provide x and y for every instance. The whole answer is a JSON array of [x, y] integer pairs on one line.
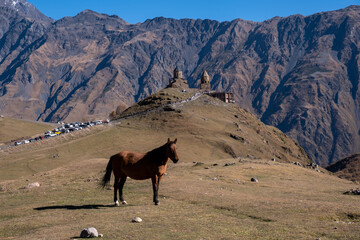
[[168, 140], [175, 140]]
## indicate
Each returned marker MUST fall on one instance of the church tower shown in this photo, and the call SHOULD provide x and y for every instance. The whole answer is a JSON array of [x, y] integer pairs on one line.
[[205, 81], [178, 80], [177, 73]]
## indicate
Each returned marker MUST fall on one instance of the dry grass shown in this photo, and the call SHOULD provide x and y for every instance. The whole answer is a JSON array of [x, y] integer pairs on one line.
[[289, 202], [12, 129], [209, 201]]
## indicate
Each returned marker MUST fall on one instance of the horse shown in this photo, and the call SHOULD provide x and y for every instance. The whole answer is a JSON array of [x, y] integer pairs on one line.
[[139, 166]]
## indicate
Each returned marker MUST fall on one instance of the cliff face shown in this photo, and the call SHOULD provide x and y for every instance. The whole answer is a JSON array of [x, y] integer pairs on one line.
[[300, 74]]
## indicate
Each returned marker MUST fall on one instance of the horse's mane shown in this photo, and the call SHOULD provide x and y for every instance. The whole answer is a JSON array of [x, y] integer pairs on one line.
[[158, 153]]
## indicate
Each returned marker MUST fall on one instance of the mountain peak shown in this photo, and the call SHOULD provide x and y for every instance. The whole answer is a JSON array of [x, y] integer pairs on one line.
[[90, 15], [25, 8]]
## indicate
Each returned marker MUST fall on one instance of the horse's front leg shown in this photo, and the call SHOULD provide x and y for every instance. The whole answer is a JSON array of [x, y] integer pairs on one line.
[[156, 182], [116, 187]]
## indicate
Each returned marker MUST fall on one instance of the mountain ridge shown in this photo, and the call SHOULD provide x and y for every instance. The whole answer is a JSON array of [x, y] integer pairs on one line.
[[298, 73]]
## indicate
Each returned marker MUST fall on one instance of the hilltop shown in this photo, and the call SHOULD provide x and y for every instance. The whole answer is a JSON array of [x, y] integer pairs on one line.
[[216, 128]]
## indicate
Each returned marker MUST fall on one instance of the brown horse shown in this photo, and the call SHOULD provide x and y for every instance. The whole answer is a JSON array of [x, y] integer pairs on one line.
[[140, 166]]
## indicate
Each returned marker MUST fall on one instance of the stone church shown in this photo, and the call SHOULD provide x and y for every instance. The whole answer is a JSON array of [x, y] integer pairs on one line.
[[178, 81]]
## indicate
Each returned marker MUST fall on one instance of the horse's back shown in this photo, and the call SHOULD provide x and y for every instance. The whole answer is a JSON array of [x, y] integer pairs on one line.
[[132, 164], [127, 157]]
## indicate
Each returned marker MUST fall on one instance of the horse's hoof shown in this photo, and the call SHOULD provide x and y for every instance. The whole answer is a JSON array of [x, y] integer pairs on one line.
[[124, 202], [157, 203], [117, 203]]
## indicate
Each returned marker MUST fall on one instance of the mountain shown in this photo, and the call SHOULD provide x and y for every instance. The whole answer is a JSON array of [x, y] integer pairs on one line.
[[23, 8], [347, 168], [299, 73]]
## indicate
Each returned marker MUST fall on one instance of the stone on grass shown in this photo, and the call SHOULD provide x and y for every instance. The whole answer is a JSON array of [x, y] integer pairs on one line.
[[89, 233], [229, 164], [353, 192], [198, 164], [33, 185], [136, 220], [254, 180]]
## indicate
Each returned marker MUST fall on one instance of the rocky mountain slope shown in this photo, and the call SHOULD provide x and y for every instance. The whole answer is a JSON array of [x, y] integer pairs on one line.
[[347, 168], [300, 74]]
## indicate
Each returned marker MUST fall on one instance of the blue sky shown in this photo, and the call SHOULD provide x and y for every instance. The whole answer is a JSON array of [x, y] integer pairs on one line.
[[134, 11]]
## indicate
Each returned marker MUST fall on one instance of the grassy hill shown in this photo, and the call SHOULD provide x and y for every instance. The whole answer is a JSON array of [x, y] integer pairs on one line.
[[198, 201], [13, 129], [347, 168]]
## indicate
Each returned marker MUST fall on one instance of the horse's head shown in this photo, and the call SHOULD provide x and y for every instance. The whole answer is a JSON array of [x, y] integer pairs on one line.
[[171, 150]]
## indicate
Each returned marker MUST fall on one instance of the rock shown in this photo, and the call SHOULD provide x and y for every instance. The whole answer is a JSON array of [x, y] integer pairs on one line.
[[168, 109], [236, 137], [32, 185], [198, 163], [250, 156], [136, 220], [229, 164], [89, 233], [214, 178], [353, 192], [254, 180]]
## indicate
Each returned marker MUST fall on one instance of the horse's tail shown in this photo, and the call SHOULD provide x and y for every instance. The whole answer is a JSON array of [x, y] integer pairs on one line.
[[107, 175]]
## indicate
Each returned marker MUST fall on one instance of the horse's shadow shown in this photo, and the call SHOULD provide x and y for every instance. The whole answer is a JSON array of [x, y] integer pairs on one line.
[[74, 207]]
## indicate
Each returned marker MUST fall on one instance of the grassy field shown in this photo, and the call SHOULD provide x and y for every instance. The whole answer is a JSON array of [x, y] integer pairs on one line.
[[198, 201], [288, 202]]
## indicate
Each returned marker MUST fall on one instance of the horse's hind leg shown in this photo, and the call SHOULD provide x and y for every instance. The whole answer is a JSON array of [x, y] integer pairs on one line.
[[121, 185], [116, 187]]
